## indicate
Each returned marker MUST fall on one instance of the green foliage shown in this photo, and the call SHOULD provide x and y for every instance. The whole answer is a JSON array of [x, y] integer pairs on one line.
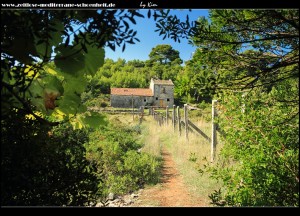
[[245, 56], [124, 167], [164, 54], [131, 74], [193, 157], [260, 158], [259, 164], [100, 101], [44, 167], [44, 71]]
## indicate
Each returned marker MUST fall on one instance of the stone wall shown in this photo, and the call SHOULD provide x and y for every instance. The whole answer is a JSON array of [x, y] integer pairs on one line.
[[125, 101], [163, 95], [163, 91]]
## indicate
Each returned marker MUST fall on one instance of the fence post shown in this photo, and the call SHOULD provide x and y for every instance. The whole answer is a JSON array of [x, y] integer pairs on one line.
[[186, 122], [142, 114], [173, 118], [179, 121], [214, 131], [167, 115], [132, 107]]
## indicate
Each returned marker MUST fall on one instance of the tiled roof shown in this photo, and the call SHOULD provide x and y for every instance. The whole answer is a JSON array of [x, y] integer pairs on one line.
[[131, 91], [163, 82]]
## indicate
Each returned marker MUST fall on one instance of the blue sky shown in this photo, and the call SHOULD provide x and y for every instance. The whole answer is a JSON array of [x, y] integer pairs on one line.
[[149, 38]]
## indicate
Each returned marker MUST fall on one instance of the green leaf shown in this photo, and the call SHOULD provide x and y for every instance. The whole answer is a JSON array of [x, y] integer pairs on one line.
[[84, 48], [74, 84], [73, 61], [52, 83], [69, 103], [40, 86], [69, 59], [94, 59], [39, 104]]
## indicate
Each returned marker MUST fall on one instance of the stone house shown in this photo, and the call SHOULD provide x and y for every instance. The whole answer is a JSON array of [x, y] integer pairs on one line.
[[160, 94]]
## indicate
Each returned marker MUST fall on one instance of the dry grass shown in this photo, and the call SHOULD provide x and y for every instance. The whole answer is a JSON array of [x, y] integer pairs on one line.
[[124, 119], [149, 137], [188, 156]]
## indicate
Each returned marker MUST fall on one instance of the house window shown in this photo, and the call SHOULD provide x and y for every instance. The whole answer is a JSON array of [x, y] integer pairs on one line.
[[156, 98], [168, 99]]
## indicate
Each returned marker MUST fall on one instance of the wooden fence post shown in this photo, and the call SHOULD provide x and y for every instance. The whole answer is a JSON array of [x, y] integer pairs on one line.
[[156, 117], [142, 114], [132, 107], [179, 120], [159, 119], [214, 131], [173, 118], [167, 115], [186, 122]]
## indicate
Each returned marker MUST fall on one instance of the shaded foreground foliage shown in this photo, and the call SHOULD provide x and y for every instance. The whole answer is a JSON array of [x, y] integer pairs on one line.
[[44, 167], [62, 166]]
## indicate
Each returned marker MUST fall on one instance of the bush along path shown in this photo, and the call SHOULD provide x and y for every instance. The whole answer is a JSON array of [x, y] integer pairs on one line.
[[170, 192]]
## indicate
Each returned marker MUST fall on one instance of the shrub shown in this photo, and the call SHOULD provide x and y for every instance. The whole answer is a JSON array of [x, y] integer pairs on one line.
[[44, 168], [124, 168], [260, 158]]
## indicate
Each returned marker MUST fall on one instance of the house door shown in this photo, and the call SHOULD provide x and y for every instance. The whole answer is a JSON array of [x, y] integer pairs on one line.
[[161, 103]]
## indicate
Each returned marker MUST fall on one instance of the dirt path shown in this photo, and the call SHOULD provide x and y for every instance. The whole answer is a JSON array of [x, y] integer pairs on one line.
[[170, 192]]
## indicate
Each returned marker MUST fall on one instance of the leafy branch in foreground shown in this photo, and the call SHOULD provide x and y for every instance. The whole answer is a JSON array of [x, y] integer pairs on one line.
[[32, 40], [249, 48]]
